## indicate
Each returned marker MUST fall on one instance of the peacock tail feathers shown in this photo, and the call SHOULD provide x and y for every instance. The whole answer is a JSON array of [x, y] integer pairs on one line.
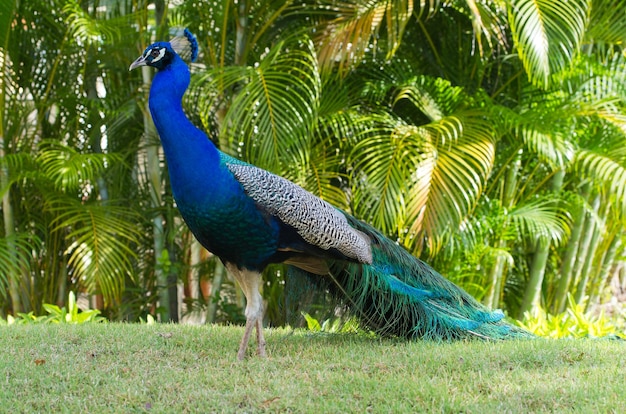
[[399, 295]]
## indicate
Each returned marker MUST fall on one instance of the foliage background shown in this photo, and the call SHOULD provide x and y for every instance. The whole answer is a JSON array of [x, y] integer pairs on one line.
[[487, 137]]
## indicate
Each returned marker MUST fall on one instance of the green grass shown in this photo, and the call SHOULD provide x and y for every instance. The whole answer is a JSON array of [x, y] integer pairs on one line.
[[171, 368]]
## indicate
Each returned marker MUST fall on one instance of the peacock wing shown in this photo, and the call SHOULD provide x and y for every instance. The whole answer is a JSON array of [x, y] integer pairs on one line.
[[316, 221]]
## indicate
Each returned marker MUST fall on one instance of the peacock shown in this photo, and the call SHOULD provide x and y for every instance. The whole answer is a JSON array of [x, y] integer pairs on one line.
[[250, 218]]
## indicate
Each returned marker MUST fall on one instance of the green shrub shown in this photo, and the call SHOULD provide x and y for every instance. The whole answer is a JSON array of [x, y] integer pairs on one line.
[[334, 325], [58, 315], [573, 323]]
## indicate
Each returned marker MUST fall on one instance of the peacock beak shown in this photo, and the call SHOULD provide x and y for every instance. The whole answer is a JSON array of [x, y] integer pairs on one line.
[[141, 61]]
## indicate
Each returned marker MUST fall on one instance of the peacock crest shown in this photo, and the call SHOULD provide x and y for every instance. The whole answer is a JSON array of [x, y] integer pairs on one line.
[[185, 45]]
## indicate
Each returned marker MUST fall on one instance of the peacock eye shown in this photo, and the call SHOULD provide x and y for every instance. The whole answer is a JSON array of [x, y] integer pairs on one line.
[[155, 53]]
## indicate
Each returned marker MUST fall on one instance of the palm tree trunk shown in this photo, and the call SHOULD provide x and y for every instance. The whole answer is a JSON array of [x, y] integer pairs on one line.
[[605, 270], [537, 272], [595, 231], [540, 259], [241, 33], [569, 259], [497, 273], [7, 207], [216, 286], [194, 314], [583, 248]]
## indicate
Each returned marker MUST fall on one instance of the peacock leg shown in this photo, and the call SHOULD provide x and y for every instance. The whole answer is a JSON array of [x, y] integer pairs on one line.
[[243, 345], [260, 338], [250, 281]]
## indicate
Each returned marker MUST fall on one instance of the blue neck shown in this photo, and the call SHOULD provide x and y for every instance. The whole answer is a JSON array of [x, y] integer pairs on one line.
[[193, 160], [212, 202]]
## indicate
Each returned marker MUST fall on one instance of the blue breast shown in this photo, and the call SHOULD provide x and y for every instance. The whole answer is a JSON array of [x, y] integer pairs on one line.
[[228, 223]]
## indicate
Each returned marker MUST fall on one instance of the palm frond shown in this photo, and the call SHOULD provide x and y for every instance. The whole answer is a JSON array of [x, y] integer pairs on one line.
[[610, 171], [488, 21], [606, 22], [6, 18], [450, 181], [609, 112], [543, 219], [346, 124], [231, 33], [272, 115], [422, 99], [385, 161], [322, 174], [420, 170], [18, 167], [550, 145], [547, 34], [428, 7], [598, 85], [68, 168], [354, 30], [597, 77], [412, 179], [82, 26], [432, 97], [15, 255], [100, 240]]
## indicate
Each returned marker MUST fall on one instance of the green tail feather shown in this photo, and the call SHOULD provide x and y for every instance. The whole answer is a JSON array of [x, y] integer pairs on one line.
[[399, 295]]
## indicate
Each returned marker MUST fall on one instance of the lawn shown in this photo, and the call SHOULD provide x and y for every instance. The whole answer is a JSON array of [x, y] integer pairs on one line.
[[172, 368]]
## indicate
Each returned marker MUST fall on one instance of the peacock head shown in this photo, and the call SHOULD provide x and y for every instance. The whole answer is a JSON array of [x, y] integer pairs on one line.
[[160, 54]]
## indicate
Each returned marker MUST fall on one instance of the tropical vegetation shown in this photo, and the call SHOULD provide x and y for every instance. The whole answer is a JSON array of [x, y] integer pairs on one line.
[[485, 136]]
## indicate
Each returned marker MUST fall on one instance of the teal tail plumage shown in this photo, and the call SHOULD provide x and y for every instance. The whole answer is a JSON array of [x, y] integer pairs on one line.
[[400, 295]]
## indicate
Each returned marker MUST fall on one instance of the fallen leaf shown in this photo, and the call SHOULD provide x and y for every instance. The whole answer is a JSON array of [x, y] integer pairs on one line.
[[40, 361], [267, 403]]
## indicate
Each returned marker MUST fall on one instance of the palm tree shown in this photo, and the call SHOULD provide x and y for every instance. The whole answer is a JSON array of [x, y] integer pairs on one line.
[[63, 229]]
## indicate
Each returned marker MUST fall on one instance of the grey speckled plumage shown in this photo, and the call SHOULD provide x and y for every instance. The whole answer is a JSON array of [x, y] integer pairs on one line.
[[316, 221]]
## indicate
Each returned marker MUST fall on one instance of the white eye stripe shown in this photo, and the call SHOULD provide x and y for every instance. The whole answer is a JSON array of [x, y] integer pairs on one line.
[[161, 54]]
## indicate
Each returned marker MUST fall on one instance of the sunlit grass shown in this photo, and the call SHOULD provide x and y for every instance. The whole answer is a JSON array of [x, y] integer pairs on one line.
[[173, 368]]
